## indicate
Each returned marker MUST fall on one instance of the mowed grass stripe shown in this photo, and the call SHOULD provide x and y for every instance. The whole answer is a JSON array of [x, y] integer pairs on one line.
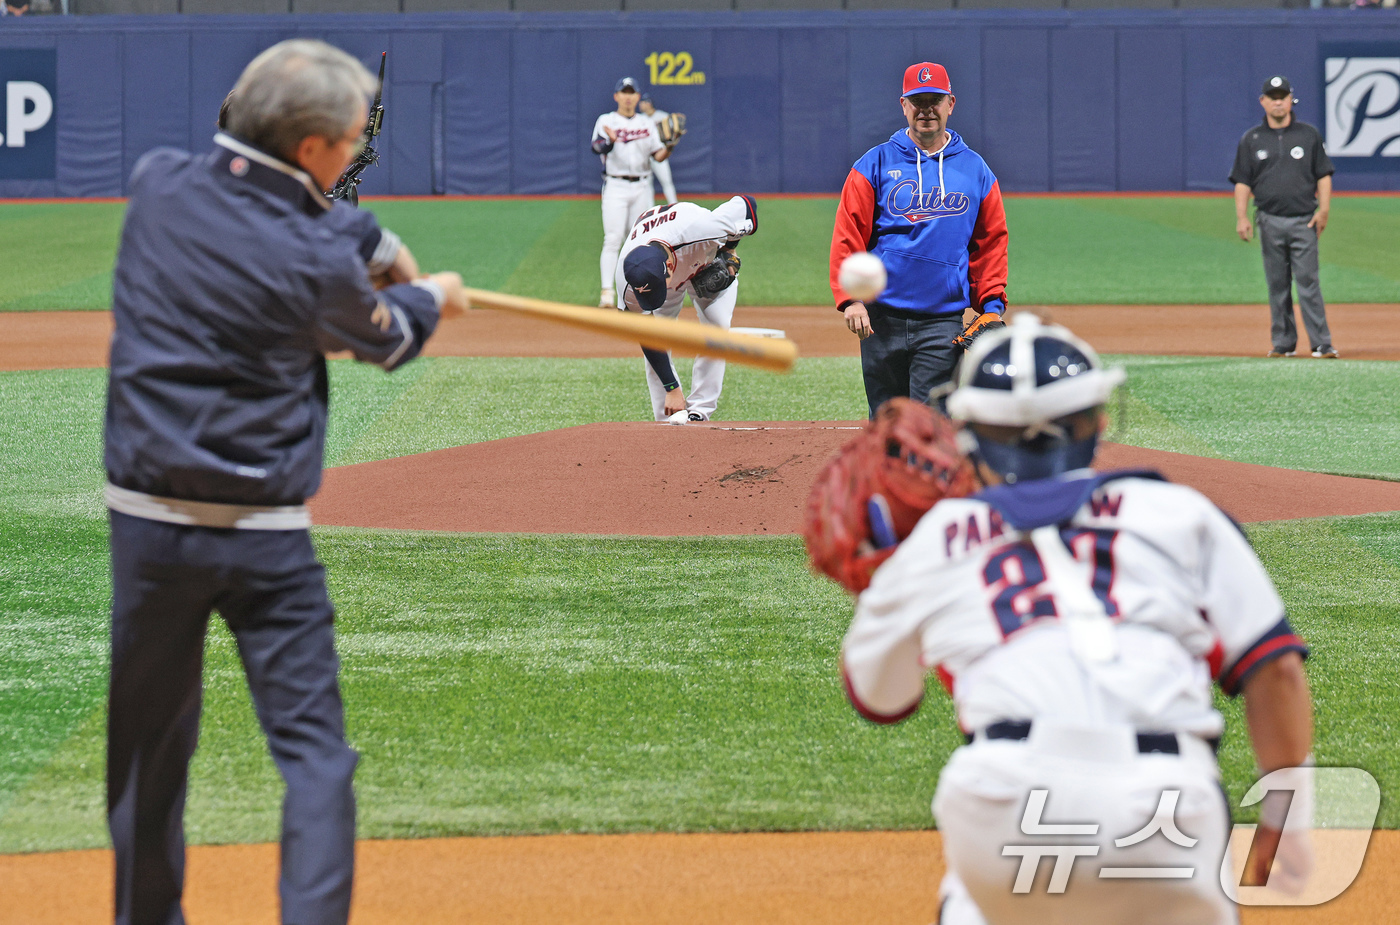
[[1064, 250], [1145, 242], [515, 684], [55, 591], [456, 401], [60, 254], [1335, 417]]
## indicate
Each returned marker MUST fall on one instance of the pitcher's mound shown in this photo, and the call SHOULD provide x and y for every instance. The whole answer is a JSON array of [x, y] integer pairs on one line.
[[615, 478], [716, 479]]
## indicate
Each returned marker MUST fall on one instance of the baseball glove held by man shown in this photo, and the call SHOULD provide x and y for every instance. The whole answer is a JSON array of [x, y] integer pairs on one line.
[[671, 128], [869, 497], [987, 321], [717, 275]]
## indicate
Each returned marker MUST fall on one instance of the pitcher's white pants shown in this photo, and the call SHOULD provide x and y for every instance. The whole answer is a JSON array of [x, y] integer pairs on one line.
[[707, 377], [1091, 777], [623, 202], [662, 171]]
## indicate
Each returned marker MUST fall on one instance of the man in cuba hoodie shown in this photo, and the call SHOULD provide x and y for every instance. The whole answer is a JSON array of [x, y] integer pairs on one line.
[[930, 208]]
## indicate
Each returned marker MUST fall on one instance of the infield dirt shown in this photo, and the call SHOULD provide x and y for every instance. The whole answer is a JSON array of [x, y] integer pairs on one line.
[[809, 878], [66, 340]]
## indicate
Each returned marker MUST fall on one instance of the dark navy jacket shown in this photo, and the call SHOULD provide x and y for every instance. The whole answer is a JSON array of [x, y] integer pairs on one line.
[[234, 277]]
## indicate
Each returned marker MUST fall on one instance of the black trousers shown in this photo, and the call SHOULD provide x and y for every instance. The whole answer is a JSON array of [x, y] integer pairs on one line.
[[908, 354], [269, 588]]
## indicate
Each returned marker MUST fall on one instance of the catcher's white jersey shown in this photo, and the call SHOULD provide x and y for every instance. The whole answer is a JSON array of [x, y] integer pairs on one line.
[[637, 140], [967, 595], [694, 232]]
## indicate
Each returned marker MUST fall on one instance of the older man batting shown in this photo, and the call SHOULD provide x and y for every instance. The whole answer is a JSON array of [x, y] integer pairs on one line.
[[234, 277]]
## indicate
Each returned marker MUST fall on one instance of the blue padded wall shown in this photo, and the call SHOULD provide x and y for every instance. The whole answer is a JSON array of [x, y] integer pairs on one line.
[[502, 103]]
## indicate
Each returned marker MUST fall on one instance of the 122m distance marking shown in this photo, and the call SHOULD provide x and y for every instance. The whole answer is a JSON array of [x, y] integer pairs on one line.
[[673, 69]]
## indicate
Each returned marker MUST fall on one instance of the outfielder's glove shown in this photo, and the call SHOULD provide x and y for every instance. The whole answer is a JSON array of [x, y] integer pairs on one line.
[[869, 497], [671, 128], [987, 321], [717, 275]]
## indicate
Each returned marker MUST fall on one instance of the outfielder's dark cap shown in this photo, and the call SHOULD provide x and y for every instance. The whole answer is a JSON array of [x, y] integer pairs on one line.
[[646, 98], [1276, 86], [626, 84], [645, 271], [926, 77]]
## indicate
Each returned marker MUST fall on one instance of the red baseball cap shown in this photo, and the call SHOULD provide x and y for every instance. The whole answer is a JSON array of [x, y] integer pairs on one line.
[[926, 77]]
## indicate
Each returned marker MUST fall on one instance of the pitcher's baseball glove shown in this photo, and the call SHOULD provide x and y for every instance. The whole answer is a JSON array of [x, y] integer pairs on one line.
[[672, 128], [717, 275], [869, 497]]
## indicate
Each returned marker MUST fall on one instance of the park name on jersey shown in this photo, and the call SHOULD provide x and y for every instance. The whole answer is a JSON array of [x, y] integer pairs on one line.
[[985, 524]]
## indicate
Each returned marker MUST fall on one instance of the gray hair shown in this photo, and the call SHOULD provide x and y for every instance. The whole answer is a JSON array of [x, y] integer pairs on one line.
[[298, 89]]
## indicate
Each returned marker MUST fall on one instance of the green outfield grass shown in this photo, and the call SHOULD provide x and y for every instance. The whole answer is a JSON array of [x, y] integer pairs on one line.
[[1064, 250], [514, 683]]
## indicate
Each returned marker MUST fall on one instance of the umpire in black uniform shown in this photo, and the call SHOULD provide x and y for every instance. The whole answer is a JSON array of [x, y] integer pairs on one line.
[[234, 276], [1281, 162]]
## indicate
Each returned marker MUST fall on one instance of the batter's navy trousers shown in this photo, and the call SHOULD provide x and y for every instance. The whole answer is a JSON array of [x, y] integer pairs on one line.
[[907, 354], [271, 591]]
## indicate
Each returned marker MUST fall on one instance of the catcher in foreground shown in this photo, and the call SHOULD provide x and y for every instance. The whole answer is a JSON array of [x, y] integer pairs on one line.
[[1077, 619]]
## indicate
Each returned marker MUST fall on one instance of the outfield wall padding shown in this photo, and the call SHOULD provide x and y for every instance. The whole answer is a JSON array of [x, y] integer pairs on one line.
[[496, 103]]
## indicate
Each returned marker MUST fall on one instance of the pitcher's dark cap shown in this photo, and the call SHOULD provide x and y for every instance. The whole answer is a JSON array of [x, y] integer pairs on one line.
[[645, 271]]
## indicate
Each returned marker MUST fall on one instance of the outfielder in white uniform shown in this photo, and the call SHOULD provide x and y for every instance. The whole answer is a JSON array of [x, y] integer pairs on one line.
[[628, 144], [1078, 619], [664, 252], [661, 170]]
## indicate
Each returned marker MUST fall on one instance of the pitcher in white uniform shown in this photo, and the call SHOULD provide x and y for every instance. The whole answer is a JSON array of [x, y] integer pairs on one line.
[[661, 170], [1078, 619], [663, 252], [628, 144]]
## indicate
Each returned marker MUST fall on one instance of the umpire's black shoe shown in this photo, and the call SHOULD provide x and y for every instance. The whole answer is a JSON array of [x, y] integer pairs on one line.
[[1282, 353]]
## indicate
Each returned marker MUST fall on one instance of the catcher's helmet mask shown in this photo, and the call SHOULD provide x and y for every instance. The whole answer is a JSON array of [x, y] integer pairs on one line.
[[1035, 381]]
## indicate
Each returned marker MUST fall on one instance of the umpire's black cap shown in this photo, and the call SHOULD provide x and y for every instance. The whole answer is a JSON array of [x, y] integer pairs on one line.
[[1277, 85], [645, 271]]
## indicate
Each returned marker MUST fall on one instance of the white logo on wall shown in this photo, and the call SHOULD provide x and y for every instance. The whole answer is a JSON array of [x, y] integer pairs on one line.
[[1363, 107], [28, 108]]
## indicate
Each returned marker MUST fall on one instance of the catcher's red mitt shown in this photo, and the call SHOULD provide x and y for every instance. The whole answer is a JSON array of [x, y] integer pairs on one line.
[[869, 497]]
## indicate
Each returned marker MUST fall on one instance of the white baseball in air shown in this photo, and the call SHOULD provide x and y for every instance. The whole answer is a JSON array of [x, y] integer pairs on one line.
[[862, 276]]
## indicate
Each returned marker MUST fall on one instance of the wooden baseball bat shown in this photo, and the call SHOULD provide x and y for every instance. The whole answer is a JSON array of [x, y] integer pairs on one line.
[[771, 353]]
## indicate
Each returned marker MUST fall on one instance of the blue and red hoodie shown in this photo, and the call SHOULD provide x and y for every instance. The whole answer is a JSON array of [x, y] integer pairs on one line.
[[935, 221]]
